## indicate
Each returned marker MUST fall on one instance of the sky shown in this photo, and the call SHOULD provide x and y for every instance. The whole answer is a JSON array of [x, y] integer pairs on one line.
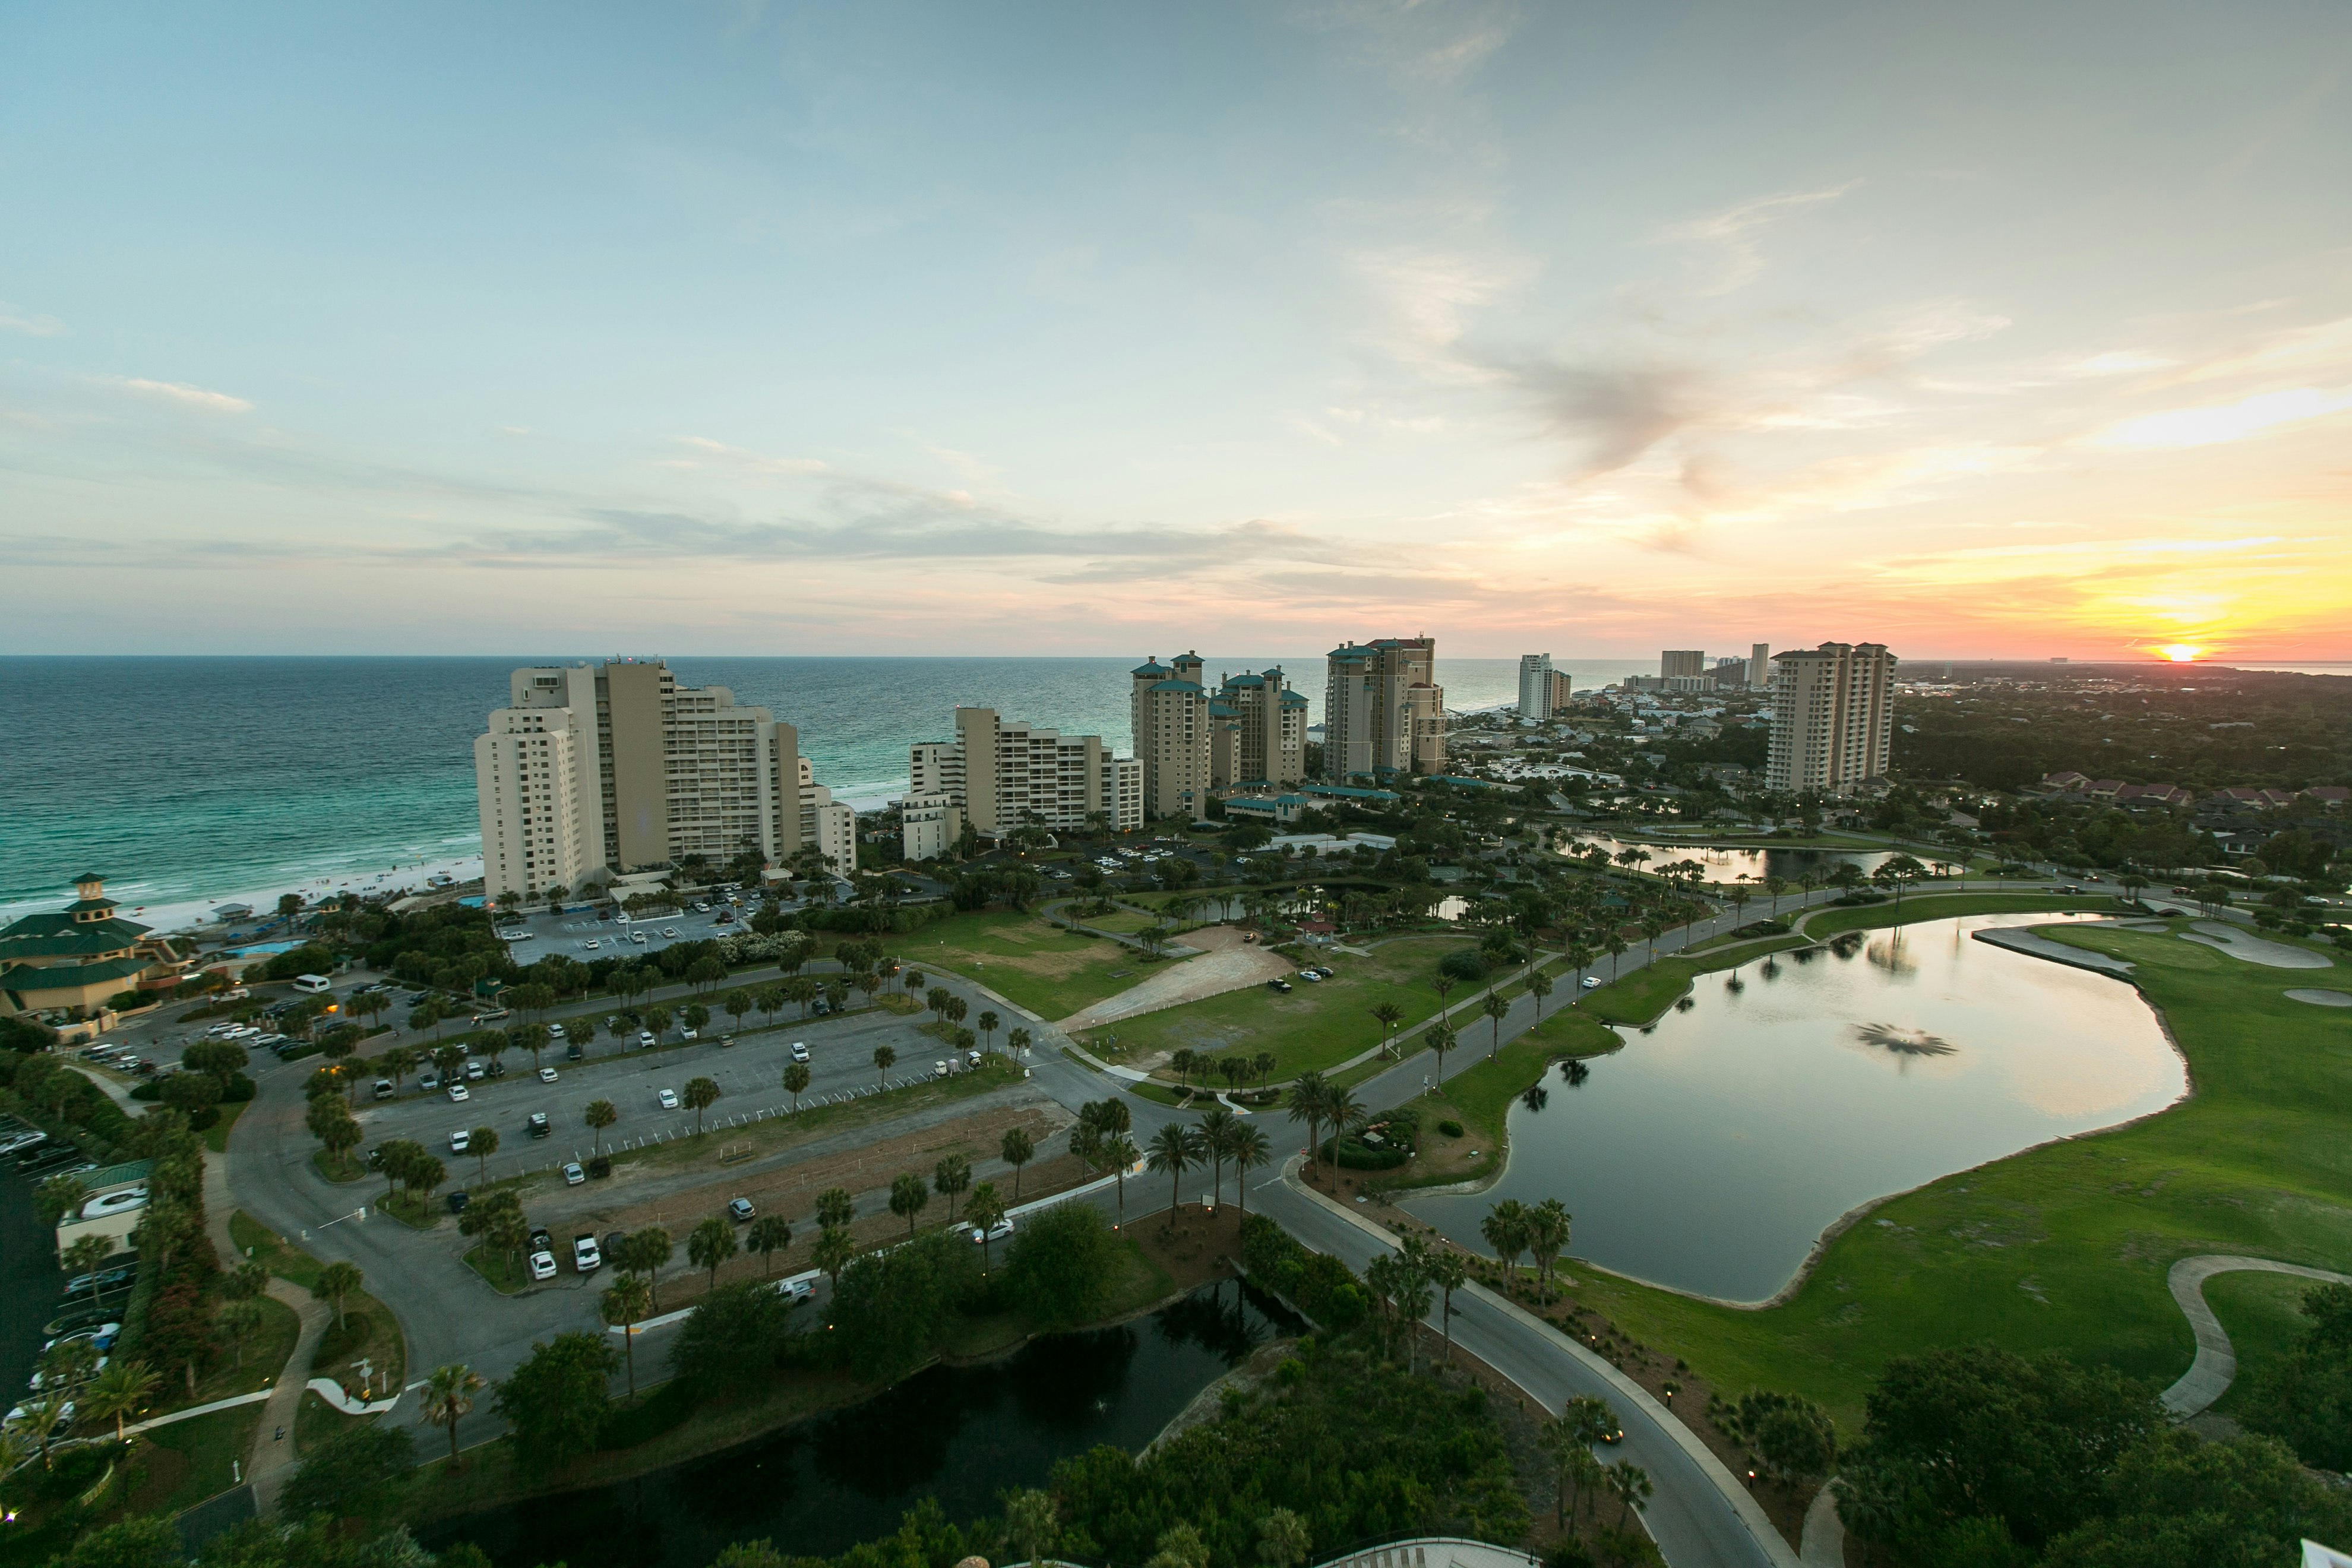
[[1986, 331]]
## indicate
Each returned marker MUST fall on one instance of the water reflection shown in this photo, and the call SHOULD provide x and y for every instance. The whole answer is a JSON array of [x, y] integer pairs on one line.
[[1710, 1152], [963, 1435], [1729, 865]]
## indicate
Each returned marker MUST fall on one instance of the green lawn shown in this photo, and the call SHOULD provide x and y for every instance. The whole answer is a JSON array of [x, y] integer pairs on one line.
[[1315, 1026], [1652, 989], [2065, 1247], [1037, 965], [194, 1460], [215, 1137]]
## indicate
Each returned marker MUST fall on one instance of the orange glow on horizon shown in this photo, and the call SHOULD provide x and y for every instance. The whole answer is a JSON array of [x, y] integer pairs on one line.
[[2181, 652]]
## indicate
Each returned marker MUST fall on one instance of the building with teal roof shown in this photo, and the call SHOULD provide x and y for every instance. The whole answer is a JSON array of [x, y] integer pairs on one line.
[[77, 959]]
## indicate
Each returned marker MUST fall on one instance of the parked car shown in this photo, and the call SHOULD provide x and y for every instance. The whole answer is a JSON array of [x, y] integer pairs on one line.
[[429, 1081], [457, 1092], [572, 1175], [666, 1098], [475, 1068], [555, 1032], [496, 1015], [800, 1050], [460, 1141], [612, 1242], [1309, 976], [547, 1074], [540, 1239], [542, 1265], [575, 1052], [796, 1290], [738, 1209], [538, 1125], [104, 1280], [997, 1232], [1278, 983], [940, 1069], [586, 1258], [646, 1039], [459, 1200]]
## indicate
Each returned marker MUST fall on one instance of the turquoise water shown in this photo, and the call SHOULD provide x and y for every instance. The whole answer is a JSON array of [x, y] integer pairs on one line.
[[202, 779]]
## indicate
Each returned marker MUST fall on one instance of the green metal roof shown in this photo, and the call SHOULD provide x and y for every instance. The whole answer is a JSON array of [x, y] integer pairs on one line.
[[121, 1176], [59, 922], [29, 979]]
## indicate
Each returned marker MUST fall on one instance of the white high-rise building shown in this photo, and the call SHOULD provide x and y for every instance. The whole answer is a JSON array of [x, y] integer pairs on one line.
[[594, 770], [1833, 718], [1535, 686], [829, 824], [1759, 667], [1687, 661], [995, 773], [1122, 788]]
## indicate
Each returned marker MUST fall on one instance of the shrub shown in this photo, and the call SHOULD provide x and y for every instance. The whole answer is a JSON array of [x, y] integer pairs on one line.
[[338, 1475], [1450, 1127], [1062, 1265], [601, 1166], [1467, 964]]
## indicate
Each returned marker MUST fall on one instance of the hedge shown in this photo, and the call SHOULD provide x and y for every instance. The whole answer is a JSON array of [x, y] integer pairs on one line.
[[1317, 1284]]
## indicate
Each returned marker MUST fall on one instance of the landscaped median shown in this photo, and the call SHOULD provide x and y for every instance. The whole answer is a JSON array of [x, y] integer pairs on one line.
[[2064, 1246]]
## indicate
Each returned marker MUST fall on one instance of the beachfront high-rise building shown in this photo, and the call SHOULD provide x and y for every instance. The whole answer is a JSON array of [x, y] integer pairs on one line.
[[1682, 661], [828, 824], [1759, 667], [1257, 731], [1833, 718], [609, 768], [1535, 686], [995, 773], [1168, 708], [1384, 711]]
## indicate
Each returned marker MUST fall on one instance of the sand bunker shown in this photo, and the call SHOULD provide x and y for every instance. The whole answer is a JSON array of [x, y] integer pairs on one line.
[[2254, 949]]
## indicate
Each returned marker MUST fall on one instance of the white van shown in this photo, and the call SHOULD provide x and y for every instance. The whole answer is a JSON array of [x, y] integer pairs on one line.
[[314, 984]]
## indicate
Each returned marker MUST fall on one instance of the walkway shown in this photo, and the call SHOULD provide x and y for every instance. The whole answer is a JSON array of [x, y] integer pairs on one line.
[[2208, 1376], [273, 1441]]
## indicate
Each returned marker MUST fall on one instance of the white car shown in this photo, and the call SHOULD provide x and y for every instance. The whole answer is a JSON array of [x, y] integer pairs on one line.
[[796, 1290], [586, 1255], [547, 1074], [457, 1092], [800, 1050], [639, 937], [667, 1097], [543, 1265], [670, 930], [940, 1069], [460, 1141], [592, 944], [997, 1232], [572, 1175], [646, 1039], [1590, 982]]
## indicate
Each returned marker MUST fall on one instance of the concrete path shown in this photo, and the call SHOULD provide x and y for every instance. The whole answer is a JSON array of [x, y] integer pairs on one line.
[[2027, 943], [2208, 1377], [2254, 949], [1227, 967], [1824, 1532], [273, 1455]]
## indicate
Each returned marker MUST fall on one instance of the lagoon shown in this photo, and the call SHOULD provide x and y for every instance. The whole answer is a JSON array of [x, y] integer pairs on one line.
[[1727, 866], [963, 1435], [1709, 1152]]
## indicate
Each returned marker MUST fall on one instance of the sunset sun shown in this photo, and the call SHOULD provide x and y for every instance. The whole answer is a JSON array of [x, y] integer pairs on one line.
[[2181, 652]]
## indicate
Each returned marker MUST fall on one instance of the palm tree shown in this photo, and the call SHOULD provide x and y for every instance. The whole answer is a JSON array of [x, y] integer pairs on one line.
[[626, 1301], [1495, 1009], [701, 1094], [986, 1209], [1629, 1484], [449, 1399], [950, 1178], [835, 1209], [1018, 1041], [1216, 1135], [1248, 1149], [1117, 1150], [1388, 1015], [118, 1392], [481, 1144], [41, 1420], [1506, 1230], [769, 1234], [910, 1195], [988, 1024], [885, 1058], [1308, 1094], [1538, 987], [833, 1252], [1174, 1148], [1342, 1109], [1030, 1519], [1446, 1270], [600, 1115], [1017, 1150], [1547, 1232], [336, 1282], [710, 1244]]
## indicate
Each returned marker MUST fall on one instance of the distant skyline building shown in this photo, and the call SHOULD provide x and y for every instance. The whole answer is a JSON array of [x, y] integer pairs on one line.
[[1760, 668], [1384, 711], [1168, 708], [597, 770], [1535, 686], [1833, 718], [1682, 661], [995, 773]]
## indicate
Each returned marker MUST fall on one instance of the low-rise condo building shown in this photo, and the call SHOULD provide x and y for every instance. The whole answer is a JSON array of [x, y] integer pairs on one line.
[[81, 958]]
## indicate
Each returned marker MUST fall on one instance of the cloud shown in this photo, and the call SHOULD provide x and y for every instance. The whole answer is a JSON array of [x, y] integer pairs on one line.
[[1733, 237], [2217, 423], [711, 454], [30, 326], [178, 392]]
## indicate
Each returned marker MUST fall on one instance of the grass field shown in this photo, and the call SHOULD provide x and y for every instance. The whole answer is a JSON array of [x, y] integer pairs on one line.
[[2064, 1247], [1828, 922], [1315, 1025], [1050, 971]]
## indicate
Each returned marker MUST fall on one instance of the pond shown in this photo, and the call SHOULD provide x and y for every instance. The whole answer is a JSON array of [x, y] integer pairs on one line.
[[1727, 866], [1710, 1152], [963, 1435]]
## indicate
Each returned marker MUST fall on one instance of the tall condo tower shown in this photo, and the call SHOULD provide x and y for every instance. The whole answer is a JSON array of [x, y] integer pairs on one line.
[[1170, 711], [1682, 661], [618, 767], [1833, 718], [1384, 711], [1535, 686], [1759, 667]]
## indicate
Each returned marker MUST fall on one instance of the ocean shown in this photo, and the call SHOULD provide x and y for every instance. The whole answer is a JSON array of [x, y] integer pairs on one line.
[[193, 782]]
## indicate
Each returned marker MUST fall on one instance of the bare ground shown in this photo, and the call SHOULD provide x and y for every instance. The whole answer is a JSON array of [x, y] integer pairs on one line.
[[1225, 963]]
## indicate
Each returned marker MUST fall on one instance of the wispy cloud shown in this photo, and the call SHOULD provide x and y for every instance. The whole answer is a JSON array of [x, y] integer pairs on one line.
[[1731, 242], [706, 453], [2260, 415], [178, 392], [12, 320]]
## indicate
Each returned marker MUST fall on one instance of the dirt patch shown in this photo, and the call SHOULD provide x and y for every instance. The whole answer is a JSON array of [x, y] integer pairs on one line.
[[1199, 1246], [1228, 967]]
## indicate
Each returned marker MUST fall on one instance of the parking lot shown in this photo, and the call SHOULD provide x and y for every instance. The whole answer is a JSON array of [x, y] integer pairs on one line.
[[750, 1075]]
